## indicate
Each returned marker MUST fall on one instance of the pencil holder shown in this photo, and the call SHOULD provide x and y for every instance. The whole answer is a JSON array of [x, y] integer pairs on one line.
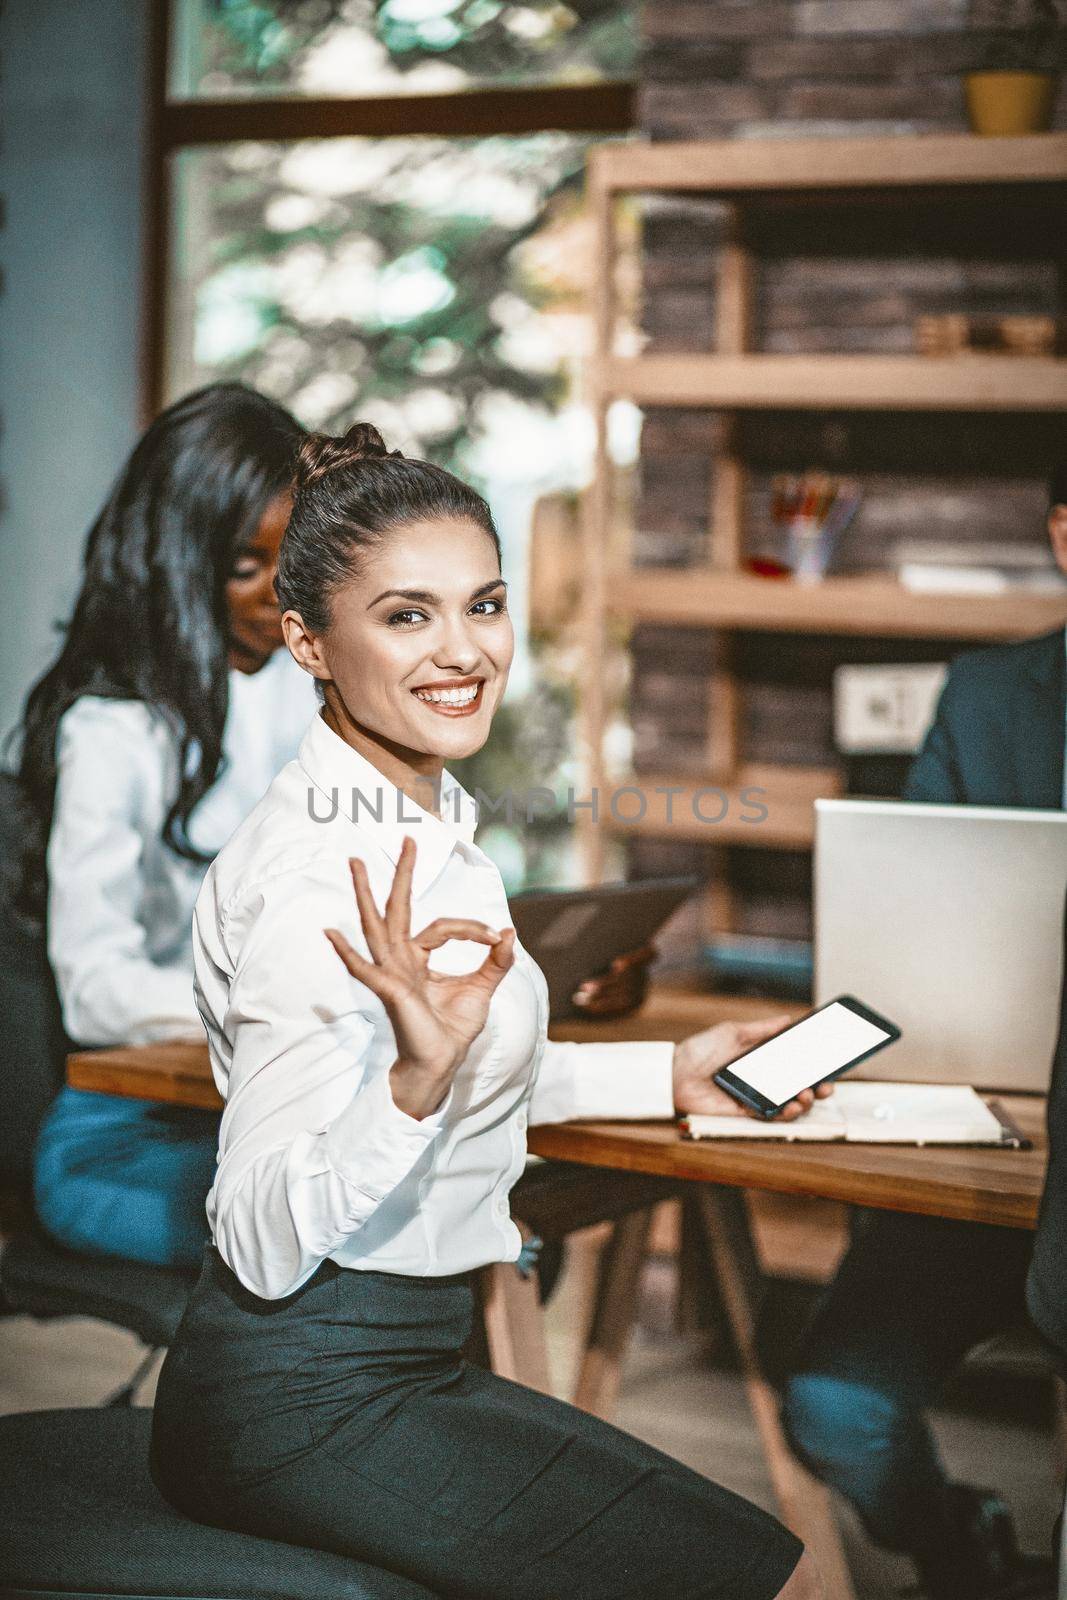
[[809, 546]]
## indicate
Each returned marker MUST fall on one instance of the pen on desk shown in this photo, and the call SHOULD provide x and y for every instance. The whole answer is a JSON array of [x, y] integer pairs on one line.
[[1011, 1134]]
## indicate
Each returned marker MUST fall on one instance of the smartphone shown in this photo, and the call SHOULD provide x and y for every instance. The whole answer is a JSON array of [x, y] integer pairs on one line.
[[822, 1045]]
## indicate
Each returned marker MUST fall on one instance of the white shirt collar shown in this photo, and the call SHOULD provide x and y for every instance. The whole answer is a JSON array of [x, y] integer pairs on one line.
[[350, 784]]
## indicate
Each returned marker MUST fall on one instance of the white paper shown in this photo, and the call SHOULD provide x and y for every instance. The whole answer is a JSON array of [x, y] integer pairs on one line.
[[873, 1113]]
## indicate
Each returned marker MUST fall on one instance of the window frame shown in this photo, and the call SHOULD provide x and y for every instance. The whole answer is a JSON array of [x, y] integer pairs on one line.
[[174, 126]]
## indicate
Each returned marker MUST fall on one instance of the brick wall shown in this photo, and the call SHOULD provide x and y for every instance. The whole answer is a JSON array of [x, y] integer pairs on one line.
[[827, 68], [789, 68]]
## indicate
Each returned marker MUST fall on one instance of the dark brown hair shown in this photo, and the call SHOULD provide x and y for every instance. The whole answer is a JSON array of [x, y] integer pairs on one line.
[[348, 494]]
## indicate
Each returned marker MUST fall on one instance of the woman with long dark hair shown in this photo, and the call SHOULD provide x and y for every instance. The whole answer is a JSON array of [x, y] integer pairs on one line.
[[166, 714], [380, 1058]]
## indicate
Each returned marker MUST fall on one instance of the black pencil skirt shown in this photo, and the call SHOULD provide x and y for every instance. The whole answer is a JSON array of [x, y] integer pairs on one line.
[[346, 1418]]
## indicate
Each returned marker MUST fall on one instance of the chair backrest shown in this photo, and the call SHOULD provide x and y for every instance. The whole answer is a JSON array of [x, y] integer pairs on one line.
[[33, 1044]]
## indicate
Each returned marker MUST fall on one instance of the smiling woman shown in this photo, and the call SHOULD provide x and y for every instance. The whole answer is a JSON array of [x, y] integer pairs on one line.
[[412, 676], [380, 1061]]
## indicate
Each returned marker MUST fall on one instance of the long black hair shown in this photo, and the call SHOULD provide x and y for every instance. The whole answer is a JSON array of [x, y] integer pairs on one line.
[[150, 622]]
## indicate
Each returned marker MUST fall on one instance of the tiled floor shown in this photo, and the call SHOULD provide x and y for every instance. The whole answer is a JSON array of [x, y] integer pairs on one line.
[[673, 1395]]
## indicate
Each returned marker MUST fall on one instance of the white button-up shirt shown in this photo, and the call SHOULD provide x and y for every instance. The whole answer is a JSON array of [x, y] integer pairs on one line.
[[315, 1159], [120, 900]]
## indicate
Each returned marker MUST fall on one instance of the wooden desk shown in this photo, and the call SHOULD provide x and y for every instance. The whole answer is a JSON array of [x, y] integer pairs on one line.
[[180, 1074], [170, 1074], [964, 1184], [970, 1185], [975, 1185]]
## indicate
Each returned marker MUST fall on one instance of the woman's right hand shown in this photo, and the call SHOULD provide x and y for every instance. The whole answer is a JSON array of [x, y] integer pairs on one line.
[[436, 1016]]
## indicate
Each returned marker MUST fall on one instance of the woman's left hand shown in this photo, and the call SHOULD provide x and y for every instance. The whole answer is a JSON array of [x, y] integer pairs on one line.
[[618, 990], [698, 1058]]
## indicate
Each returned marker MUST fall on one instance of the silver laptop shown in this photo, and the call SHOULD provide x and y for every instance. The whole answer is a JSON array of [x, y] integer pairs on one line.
[[949, 921]]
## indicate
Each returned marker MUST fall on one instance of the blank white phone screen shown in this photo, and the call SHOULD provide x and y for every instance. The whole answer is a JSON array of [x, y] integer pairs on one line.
[[821, 1044]]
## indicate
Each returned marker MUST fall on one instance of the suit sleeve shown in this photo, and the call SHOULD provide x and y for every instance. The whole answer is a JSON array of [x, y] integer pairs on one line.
[[936, 774]]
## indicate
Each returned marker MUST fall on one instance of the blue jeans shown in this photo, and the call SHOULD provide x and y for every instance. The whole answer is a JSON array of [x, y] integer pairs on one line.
[[911, 1297], [125, 1178]]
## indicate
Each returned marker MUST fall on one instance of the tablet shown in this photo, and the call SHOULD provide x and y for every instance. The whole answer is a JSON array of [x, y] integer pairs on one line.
[[574, 934]]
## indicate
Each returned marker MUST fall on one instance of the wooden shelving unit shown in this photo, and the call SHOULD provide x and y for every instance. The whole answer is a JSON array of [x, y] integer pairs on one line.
[[858, 383], [740, 167], [729, 813], [902, 172], [874, 606]]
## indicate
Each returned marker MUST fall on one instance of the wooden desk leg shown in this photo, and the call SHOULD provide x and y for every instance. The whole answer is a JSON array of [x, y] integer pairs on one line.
[[618, 1280], [514, 1326], [699, 1309], [805, 1503]]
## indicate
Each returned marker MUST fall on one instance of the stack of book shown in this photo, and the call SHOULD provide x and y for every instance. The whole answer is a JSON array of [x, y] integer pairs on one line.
[[749, 964], [953, 334], [946, 567]]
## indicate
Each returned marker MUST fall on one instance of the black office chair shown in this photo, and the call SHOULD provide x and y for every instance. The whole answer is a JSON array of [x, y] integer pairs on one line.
[[34, 1044], [37, 1277], [82, 1520]]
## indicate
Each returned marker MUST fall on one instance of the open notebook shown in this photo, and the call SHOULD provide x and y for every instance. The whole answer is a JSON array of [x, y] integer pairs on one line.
[[879, 1113]]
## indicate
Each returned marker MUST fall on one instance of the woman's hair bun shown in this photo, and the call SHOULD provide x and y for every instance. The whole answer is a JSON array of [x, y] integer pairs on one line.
[[321, 453]]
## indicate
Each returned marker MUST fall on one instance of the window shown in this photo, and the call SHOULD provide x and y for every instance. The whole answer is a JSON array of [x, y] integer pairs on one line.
[[373, 208], [433, 286], [226, 48]]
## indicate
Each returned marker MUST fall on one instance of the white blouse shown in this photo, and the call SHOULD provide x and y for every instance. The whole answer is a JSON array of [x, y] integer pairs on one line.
[[315, 1159], [120, 900]]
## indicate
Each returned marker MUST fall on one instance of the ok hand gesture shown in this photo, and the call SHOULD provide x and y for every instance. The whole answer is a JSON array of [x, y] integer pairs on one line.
[[436, 1017]]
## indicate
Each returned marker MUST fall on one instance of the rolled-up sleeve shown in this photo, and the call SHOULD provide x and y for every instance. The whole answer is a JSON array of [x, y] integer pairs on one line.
[[311, 1141], [632, 1081]]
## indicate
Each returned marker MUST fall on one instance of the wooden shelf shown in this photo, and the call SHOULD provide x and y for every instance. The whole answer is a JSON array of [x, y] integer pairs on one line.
[[839, 383], [771, 192], [704, 811], [735, 166], [875, 606]]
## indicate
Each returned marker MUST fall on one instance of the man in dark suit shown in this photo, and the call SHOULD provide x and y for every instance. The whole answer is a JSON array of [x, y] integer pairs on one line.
[[998, 738], [914, 1294]]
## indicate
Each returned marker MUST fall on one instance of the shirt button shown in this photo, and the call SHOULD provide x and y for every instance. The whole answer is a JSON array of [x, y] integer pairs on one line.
[[501, 1206], [522, 1119]]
